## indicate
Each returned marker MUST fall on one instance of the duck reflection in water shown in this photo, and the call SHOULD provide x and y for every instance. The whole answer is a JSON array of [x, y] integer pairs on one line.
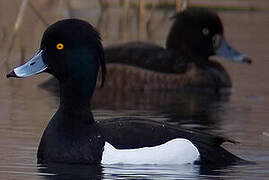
[[84, 172], [202, 110]]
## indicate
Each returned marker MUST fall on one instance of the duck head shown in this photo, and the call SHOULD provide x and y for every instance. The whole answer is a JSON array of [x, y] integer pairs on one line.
[[199, 34], [71, 51]]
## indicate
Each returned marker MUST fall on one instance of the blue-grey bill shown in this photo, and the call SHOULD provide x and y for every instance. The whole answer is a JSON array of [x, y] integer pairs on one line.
[[34, 66], [226, 51]]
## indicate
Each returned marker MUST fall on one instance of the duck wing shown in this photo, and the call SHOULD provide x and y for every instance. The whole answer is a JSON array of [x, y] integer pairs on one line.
[[145, 55], [131, 133]]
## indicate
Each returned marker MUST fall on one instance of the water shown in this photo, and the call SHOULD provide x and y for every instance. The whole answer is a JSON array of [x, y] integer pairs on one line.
[[241, 114]]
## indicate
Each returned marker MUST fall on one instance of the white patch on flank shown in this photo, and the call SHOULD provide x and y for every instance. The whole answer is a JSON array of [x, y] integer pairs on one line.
[[176, 151]]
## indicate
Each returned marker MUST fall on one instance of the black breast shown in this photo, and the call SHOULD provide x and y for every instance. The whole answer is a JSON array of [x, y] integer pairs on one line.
[[70, 143]]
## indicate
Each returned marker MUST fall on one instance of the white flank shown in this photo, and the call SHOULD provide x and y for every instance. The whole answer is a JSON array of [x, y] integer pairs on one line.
[[176, 151]]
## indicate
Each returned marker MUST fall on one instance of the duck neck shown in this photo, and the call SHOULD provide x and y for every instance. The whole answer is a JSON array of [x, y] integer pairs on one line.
[[75, 97]]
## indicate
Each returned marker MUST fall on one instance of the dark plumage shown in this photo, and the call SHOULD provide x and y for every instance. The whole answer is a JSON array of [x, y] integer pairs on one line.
[[195, 35], [72, 135]]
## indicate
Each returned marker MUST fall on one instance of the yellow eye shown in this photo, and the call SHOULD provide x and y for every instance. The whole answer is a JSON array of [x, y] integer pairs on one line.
[[60, 46]]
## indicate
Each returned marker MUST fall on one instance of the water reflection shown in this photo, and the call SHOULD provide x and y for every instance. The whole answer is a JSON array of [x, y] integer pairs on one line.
[[189, 109], [65, 172], [195, 109], [150, 172], [59, 172], [83, 172]]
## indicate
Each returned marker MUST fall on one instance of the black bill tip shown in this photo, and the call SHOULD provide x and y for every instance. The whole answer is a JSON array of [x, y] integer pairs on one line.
[[247, 60], [11, 74]]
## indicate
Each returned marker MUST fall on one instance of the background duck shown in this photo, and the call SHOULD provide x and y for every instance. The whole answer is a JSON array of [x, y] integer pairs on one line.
[[71, 51], [195, 35]]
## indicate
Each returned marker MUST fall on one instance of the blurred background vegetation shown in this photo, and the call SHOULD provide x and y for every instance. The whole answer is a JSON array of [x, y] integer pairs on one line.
[[22, 22]]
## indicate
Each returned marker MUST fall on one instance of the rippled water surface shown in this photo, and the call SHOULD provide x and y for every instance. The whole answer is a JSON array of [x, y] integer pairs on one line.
[[241, 113]]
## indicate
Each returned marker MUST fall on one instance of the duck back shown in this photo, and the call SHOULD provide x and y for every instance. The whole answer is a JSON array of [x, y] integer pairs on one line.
[[146, 66]]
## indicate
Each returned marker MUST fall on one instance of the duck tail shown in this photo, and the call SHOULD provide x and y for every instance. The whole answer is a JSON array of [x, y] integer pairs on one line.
[[218, 156]]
